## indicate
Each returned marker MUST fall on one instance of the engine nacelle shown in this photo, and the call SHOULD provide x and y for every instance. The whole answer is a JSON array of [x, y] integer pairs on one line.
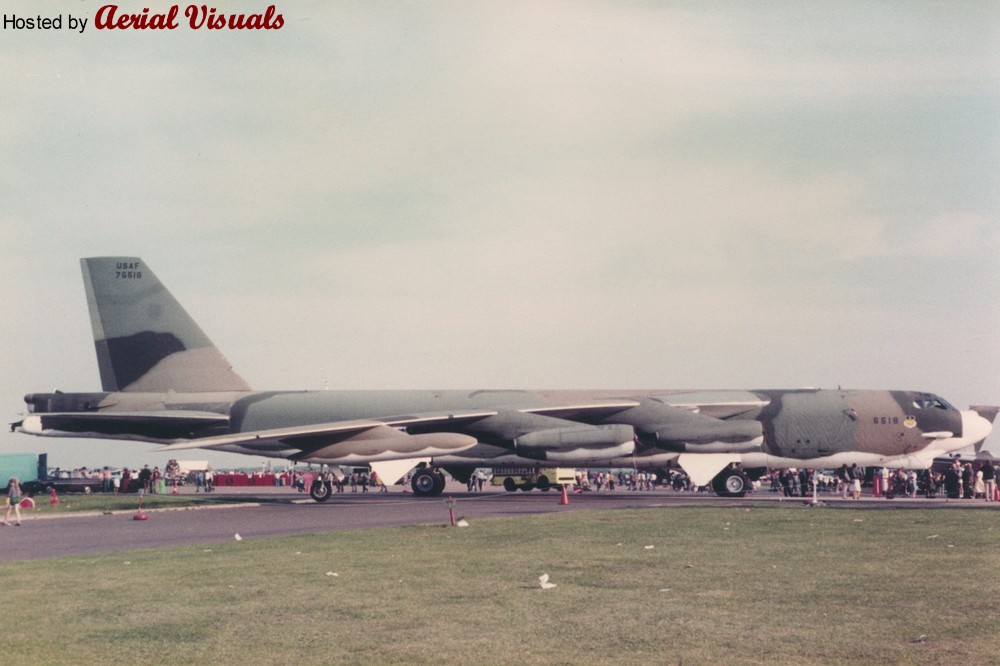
[[707, 435], [750, 446], [577, 443]]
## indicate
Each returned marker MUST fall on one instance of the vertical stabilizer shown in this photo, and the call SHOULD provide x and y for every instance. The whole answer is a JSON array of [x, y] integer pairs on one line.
[[145, 340]]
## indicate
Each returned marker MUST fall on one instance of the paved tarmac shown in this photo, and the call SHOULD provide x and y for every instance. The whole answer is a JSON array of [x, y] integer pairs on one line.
[[283, 512]]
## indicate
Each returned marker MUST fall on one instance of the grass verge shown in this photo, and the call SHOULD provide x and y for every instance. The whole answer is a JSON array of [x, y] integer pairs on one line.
[[673, 585], [75, 502]]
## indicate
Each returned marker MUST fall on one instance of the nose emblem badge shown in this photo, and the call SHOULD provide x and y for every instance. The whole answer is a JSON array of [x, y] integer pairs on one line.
[[910, 422]]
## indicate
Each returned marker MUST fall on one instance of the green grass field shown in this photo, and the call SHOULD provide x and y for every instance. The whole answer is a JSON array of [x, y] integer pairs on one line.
[[774, 585], [77, 502]]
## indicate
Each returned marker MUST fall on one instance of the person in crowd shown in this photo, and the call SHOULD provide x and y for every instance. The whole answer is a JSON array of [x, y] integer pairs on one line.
[[843, 481], [805, 479], [953, 480], [786, 485], [928, 482], [978, 484], [989, 480], [13, 501], [857, 474], [145, 474]]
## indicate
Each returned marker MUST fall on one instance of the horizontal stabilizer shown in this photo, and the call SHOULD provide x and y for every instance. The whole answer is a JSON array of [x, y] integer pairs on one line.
[[143, 426]]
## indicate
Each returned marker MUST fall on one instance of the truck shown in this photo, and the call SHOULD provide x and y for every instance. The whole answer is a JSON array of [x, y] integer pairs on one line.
[[29, 468], [32, 471], [529, 478]]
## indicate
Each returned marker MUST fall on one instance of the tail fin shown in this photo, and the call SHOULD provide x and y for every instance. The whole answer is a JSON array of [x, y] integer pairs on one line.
[[145, 340]]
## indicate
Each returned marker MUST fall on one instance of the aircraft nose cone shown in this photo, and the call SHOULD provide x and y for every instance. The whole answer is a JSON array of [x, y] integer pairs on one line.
[[974, 427]]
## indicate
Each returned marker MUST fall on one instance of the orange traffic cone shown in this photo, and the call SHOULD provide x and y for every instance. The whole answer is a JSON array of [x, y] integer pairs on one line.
[[53, 498], [564, 500]]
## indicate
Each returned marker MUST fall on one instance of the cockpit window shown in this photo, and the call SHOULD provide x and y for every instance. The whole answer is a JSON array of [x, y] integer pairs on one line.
[[930, 403]]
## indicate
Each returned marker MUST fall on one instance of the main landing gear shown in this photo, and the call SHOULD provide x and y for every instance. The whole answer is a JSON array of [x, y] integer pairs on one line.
[[427, 482], [321, 490], [731, 482]]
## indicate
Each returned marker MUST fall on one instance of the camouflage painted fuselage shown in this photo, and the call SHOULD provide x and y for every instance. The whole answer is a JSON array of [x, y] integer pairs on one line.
[[800, 426], [165, 381]]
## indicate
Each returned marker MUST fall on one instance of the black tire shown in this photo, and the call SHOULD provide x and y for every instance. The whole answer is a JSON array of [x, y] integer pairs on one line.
[[527, 487], [427, 483], [542, 483], [509, 485], [439, 482], [320, 491], [731, 483]]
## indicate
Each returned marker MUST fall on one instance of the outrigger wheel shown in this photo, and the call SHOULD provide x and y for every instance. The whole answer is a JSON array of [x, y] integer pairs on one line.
[[427, 482]]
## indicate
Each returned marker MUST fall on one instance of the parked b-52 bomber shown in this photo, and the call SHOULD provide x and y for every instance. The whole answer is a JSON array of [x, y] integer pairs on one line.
[[164, 381]]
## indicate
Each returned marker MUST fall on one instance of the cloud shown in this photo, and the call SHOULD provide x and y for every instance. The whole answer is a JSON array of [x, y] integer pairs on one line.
[[958, 236], [554, 193]]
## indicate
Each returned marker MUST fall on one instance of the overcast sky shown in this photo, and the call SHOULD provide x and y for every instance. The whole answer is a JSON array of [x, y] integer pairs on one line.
[[515, 195]]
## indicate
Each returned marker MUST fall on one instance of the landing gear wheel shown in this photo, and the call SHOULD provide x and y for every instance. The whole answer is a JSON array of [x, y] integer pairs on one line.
[[543, 484], [320, 491], [731, 483], [438, 483], [509, 485], [427, 483]]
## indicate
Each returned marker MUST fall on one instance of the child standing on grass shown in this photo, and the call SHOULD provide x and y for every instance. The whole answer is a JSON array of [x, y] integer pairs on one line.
[[13, 501]]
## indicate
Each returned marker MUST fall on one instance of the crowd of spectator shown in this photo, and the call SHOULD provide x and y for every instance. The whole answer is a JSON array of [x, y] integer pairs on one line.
[[958, 480]]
